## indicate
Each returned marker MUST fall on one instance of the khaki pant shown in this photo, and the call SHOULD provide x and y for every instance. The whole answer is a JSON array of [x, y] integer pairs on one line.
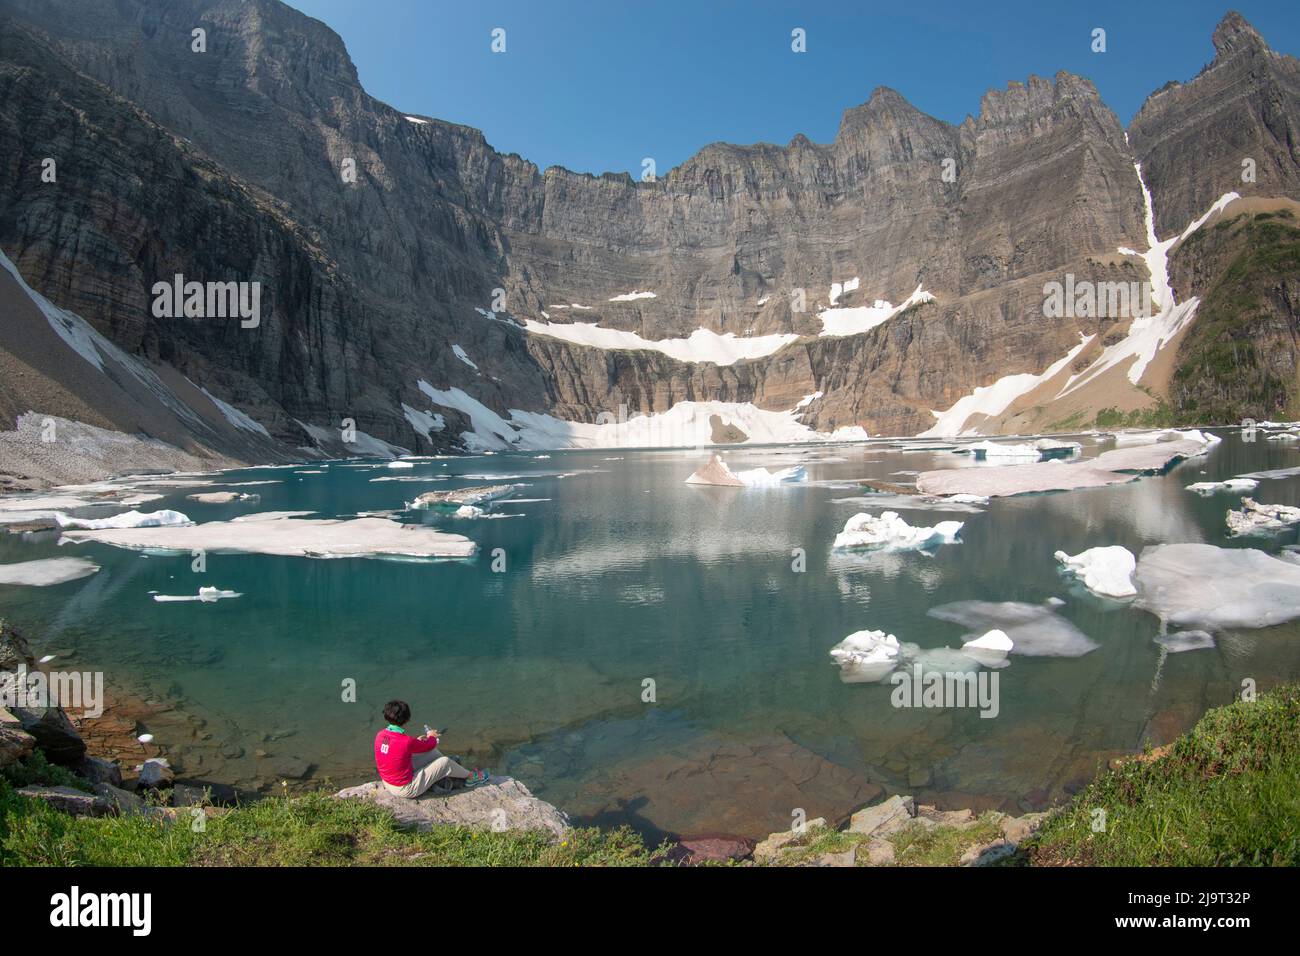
[[429, 769]]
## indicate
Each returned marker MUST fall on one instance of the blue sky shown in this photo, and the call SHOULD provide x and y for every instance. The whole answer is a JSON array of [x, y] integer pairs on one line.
[[596, 86]]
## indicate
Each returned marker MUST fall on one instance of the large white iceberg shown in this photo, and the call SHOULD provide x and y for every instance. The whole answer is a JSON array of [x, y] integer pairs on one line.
[[1106, 571], [716, 472], [891, 532], [1201, 586]]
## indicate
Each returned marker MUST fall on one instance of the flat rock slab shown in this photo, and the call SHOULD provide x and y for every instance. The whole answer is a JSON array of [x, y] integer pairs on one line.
[[501, 804], [1108, 468]]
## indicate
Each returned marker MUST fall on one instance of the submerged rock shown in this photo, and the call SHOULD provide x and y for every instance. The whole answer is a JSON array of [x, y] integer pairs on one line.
[[501, 804]]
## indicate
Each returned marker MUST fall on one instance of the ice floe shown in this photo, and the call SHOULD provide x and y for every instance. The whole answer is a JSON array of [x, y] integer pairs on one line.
[[44, 572], [866, 656], [283, 533], [207, 595], [889, 531], [222, 497], [1106, 571], [463, 496], [1202, 586], [129, 519], [1042, 449], [1034, 630], [1108, 468], [1234, 485], [716, 472], [990, 649], [1255, 518]]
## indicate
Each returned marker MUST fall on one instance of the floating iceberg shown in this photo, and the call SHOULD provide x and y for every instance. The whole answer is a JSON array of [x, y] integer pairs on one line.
[[129, 519], [46, 571], [1201, 586], [1105, 571], [398, 463], [1042, 449], [206, 594], [716, 472], [889, 531], [866, 656], [1254, 518], [463, 496], [1236, 485], [222, 497], [1034, 630], [990, 649]]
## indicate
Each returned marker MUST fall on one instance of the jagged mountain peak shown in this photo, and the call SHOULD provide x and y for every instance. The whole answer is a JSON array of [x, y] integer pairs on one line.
[[1234, 33]]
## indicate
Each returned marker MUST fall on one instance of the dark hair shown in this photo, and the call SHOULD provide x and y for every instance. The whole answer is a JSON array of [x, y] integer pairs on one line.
[[397, 712]]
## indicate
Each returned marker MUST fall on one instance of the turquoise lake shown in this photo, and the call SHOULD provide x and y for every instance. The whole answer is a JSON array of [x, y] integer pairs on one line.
[[617, 573]]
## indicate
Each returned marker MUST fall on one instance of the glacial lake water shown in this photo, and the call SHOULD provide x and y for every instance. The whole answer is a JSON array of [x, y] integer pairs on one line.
[[616, 572]]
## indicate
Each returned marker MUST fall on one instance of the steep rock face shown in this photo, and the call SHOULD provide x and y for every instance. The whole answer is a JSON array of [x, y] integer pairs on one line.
[[1193, 137], [227, 165]]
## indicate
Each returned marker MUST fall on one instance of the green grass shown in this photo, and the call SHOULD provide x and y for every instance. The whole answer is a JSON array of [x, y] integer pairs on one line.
[[315, 830], [1238, 358], [1226, 794], [918, 845]]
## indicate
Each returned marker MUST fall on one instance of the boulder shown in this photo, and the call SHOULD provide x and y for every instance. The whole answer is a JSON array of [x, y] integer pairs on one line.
[[501, 804], [711, 849], [879, 852], [99, 770], [126, 803], [768, 850], [156, 774], [1018, 829], [15, 744], [69, 800], [54, 734], [883, 818], [986, 854]]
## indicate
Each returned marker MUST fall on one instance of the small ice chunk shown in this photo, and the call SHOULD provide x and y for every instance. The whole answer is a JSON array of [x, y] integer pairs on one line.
[[1106, 571], [145, 738], [965, 499], [889, 531], [1255, 518], [989, 649], [1236, 485], [866, 656], [206, 594], [1182, 641]]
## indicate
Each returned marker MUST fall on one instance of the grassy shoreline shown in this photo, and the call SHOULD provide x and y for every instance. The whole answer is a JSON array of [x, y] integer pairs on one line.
[[1227, 793]]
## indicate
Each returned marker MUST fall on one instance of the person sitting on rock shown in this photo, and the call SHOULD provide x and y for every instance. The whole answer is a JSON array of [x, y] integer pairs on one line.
[[408, 766]]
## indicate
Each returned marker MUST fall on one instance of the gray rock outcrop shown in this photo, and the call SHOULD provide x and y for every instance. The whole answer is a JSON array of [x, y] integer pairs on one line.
[[501, 804]]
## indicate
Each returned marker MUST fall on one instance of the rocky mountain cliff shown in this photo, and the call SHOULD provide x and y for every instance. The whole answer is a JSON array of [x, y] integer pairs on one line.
[[871, 282]]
